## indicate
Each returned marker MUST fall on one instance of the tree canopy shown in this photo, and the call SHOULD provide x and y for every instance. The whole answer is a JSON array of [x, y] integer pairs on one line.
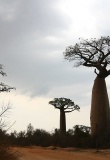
[[64, 103], [91, 53]]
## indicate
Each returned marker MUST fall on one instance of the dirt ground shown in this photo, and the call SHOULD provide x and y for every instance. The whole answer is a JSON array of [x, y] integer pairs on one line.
[[39, 153]]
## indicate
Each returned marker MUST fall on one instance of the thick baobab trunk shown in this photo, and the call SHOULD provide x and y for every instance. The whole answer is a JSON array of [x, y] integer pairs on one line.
[[100, 112], [62, 122]]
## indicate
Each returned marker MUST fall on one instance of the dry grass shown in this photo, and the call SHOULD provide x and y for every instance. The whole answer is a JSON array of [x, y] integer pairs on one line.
[[7, 153]]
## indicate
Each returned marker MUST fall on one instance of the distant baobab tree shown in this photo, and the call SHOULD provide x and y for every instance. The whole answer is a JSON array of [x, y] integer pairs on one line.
[[65, 105], [95, 53]]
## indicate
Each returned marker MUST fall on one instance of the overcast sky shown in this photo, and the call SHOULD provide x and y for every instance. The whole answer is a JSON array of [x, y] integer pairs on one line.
[[33, 36]]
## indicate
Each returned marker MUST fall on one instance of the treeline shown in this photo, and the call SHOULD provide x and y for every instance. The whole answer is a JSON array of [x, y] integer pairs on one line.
[[78, 136]]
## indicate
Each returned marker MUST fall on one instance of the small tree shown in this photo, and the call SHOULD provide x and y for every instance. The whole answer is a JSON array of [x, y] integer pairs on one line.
[[95, 53], [30, 130], [5, 150], [65, 106], [4, 88]]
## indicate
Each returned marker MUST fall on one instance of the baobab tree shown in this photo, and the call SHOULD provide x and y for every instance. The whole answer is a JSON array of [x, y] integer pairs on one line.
[[95, 53], [65, 105]]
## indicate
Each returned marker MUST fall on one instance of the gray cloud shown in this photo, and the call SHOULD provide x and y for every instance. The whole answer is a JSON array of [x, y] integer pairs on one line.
[[32, 42], [27, 31], [100, 11], [33, 37]]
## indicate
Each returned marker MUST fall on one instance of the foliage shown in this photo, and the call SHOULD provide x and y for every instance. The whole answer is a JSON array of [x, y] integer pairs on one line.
[[4, 87], [64, 103], [79, 136], [82, 136]]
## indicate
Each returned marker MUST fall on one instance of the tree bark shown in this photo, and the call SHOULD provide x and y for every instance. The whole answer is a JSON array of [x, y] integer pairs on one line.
[[62, 122], [100, 112]]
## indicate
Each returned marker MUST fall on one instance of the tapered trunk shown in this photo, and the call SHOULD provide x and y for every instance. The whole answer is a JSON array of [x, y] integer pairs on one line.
[[62, 122], [100, 112]]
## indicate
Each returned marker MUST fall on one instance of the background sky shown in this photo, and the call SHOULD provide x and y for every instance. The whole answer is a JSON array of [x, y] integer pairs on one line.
[[33, 36]]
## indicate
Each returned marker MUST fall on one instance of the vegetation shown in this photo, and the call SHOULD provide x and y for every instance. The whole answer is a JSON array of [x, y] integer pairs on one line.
[[4, 87], [65, 106], [95, 53], [6, 152], [89, 53], [78, 136]]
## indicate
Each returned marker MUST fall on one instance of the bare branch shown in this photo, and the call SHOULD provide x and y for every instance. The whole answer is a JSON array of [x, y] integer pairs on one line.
[[4, 111], [10, 126], [91, 53], [5, 108]]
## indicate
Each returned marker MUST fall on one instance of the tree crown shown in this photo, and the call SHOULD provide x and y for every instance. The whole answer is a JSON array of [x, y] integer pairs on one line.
[[65, 104], [91, 53]]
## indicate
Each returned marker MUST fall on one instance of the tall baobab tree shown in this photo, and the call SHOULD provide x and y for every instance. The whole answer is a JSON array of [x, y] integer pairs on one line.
[[65, 105], [95, 53]]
